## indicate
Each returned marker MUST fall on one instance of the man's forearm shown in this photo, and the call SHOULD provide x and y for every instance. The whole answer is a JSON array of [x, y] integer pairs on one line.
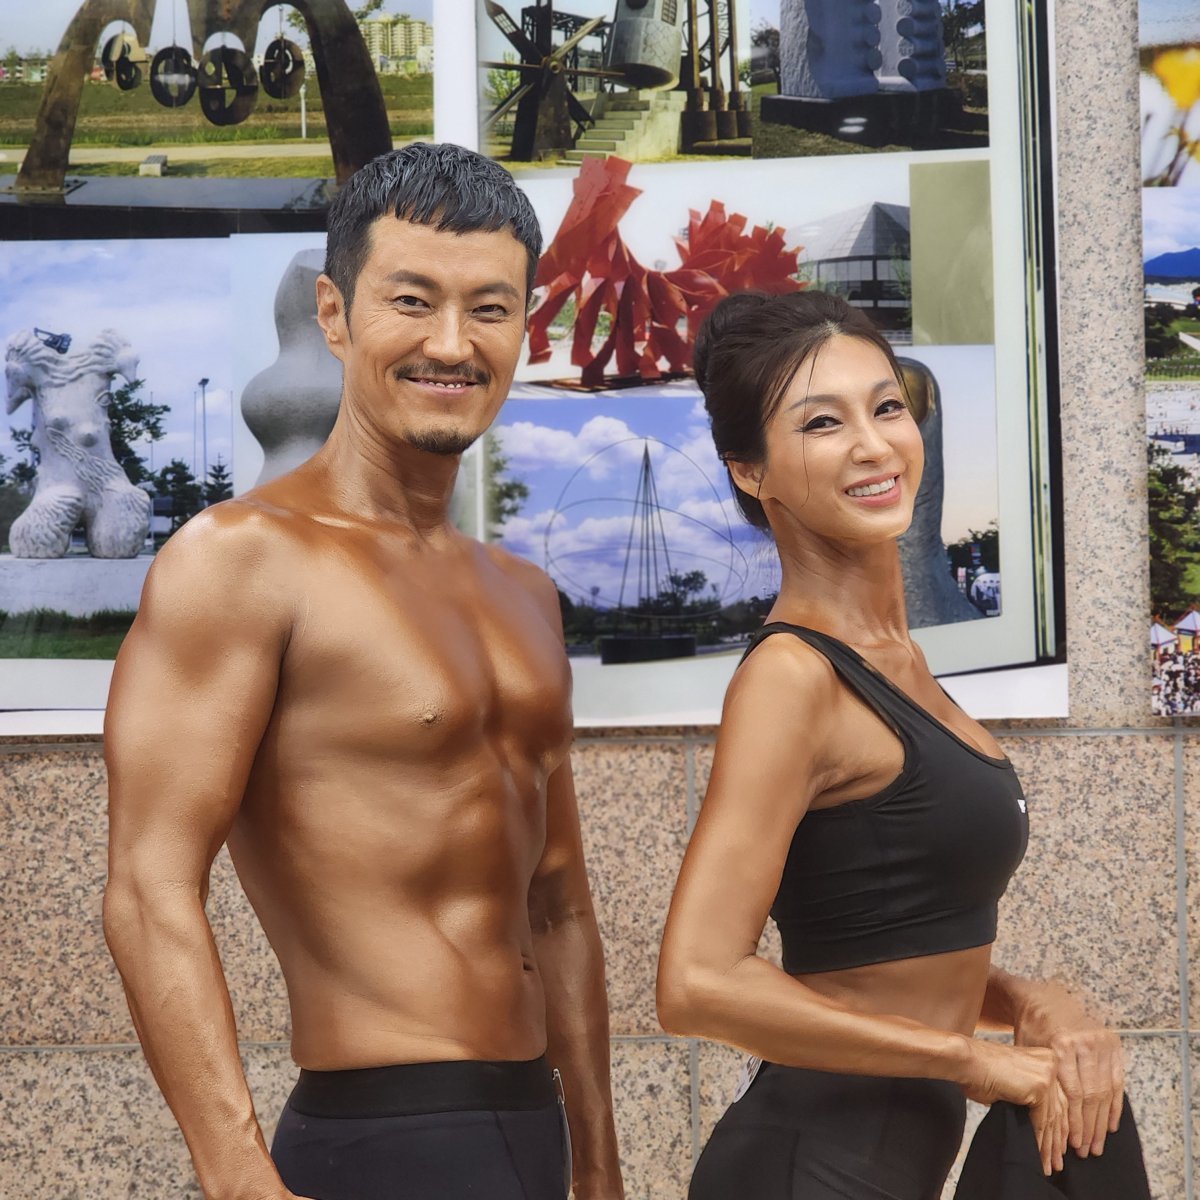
[[571, 962], [180, 1004]]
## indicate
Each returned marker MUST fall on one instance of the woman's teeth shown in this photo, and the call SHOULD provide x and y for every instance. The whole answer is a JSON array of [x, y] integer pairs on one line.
[[873, 489]]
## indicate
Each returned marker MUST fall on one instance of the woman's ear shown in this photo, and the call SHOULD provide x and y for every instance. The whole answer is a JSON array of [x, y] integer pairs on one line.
[[748, 476]]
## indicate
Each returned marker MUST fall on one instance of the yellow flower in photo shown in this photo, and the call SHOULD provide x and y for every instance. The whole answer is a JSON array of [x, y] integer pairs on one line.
[[1179, 71]]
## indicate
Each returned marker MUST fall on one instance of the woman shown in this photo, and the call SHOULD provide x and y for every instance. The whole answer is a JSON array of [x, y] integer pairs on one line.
[[857, 804]]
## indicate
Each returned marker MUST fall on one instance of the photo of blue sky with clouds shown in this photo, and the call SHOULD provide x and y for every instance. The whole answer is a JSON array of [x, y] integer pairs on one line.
[[169, 299], [581, 457]]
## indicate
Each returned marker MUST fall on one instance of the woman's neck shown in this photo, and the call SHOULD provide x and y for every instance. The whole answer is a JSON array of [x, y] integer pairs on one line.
[[853, 591]]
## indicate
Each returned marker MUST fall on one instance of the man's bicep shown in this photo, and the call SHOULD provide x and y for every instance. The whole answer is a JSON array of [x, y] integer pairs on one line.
[[192, 693]]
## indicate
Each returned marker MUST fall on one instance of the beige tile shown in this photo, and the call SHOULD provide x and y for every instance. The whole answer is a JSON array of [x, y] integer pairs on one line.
[[652, 1103], [62, 986], [60, 983], [1154, 1084], [1101, 361], [1191, 811], [633, 811], [91, 1124], [1093, 904]]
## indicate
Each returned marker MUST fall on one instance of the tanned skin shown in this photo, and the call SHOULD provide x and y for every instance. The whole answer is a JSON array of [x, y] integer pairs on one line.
[[793, 737], [373, 711]]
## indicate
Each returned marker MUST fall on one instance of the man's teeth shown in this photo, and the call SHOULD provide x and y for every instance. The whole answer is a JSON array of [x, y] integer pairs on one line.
[[450, 385], [873, 489]]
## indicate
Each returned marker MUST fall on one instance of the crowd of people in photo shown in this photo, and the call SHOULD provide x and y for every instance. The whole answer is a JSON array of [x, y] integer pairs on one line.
[[1176, 687]]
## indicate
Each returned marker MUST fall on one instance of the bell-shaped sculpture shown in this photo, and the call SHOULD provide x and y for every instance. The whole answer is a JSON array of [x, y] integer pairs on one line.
[[932, 595], [292, 405], [647, 41]]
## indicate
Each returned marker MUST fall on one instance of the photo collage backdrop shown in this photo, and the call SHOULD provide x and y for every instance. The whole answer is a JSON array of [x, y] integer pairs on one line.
[[1169, 49], [675, 151]]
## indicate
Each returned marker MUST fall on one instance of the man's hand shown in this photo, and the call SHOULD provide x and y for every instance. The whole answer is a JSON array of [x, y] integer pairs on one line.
[[1091, 1063]]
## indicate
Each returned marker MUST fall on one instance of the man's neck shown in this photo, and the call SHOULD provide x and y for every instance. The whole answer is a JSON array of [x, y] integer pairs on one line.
[[378, 479]]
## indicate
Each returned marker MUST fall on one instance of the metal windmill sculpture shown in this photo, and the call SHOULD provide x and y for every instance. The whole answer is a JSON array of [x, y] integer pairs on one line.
[[549, 117]]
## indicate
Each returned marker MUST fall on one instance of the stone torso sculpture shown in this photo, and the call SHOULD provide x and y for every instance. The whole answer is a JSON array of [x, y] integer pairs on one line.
[[78, 479]]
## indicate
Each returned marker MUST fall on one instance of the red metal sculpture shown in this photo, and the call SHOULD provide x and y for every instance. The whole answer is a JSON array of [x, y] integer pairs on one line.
[[589, 261]]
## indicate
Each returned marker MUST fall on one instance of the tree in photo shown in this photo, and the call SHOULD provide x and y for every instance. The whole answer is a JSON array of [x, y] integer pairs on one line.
[[132, 419], [1174, 503], [501, 82], [505, 495], [1161, 339], [219, 485], [177, 482], [14, 498]]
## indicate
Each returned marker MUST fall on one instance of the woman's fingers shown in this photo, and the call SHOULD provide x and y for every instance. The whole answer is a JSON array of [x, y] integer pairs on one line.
[[1117, 1105], [1092, 1073], [1072, 1086]]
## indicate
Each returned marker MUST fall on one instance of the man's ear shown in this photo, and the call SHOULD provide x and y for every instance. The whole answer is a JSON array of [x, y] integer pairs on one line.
[[331, 316], [748, 476]]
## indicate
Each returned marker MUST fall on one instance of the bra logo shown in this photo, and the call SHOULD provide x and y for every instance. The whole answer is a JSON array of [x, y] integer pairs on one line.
[[1021, 803]]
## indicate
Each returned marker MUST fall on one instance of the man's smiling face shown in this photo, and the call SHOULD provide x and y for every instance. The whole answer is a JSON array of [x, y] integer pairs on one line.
[[433, 335]]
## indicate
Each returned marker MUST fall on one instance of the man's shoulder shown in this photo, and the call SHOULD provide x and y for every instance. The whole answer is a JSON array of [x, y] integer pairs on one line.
[[226, 546], [521, 571]]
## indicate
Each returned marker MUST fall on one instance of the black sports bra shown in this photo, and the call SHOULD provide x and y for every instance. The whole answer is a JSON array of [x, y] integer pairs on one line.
[[916, 869]]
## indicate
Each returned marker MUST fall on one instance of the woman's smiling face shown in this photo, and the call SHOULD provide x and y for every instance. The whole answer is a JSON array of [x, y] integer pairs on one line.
[[843, 453]]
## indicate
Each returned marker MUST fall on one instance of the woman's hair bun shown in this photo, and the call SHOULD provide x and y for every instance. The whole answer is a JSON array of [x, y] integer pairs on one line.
[[727, 313]]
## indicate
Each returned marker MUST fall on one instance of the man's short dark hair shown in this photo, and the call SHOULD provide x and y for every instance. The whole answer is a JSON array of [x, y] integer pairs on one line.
[[438, 184]]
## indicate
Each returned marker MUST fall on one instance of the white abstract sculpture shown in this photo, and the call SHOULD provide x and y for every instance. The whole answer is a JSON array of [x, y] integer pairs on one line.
[[78, 479]]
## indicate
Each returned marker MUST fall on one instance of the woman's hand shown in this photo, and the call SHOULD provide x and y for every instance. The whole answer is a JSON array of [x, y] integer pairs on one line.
[[1027, 1077], [1091, 1063]]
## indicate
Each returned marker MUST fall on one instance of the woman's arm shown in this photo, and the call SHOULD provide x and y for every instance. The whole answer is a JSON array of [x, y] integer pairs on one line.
[[786, 738], [1090, 1060]]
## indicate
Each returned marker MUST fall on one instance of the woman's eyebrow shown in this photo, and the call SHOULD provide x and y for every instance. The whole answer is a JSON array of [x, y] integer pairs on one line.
[[882, 385]]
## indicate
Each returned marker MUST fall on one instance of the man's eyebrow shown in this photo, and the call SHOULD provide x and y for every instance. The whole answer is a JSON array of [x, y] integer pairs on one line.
[[415, 279], [412, 277], [882, 385], [500, 286]]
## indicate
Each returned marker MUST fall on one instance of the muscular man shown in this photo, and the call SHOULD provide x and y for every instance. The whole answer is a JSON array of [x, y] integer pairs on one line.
[[373, 712]]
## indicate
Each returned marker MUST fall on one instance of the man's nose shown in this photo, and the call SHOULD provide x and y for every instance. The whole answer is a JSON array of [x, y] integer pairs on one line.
[[446, 340]]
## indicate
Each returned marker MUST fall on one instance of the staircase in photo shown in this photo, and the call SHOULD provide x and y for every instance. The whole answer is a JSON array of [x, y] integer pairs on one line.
[[637, 125]]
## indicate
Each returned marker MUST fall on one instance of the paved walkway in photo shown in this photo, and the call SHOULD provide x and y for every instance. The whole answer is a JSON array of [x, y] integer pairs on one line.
[[193, 152]]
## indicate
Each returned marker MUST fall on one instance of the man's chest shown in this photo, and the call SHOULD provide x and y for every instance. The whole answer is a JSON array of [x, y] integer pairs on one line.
[[421, 660]]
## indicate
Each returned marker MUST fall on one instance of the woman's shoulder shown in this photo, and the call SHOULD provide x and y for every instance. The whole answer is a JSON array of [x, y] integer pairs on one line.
[[786, 673]]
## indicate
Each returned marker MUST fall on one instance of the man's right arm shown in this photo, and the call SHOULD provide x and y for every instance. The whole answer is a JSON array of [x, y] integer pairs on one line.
[[192, 692]]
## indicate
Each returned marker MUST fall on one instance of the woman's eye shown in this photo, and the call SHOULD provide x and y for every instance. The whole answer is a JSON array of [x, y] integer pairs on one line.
[[818, 423], [890, 406]]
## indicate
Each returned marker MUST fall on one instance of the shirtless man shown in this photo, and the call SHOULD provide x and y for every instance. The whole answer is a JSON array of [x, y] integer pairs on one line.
[[373, 712]]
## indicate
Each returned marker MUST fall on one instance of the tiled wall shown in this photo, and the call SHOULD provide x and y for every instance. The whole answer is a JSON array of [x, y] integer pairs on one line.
[[1105, 899]]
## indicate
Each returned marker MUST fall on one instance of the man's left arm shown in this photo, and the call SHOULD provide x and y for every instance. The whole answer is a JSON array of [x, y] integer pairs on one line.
[[571, 963], [1091, 1063]]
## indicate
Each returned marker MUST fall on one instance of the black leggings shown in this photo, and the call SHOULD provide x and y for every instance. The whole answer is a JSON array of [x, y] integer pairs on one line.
[[425, 1131], [810, 1135]]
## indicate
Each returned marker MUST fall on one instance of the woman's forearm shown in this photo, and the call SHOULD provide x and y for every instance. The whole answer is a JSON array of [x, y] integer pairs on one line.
[[758, 1007]]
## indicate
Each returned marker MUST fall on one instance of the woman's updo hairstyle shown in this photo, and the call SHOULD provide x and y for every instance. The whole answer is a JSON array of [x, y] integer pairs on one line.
[[747, 351]]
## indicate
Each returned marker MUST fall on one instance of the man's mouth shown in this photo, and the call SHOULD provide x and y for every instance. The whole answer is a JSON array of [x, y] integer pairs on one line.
[[445, 385]]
